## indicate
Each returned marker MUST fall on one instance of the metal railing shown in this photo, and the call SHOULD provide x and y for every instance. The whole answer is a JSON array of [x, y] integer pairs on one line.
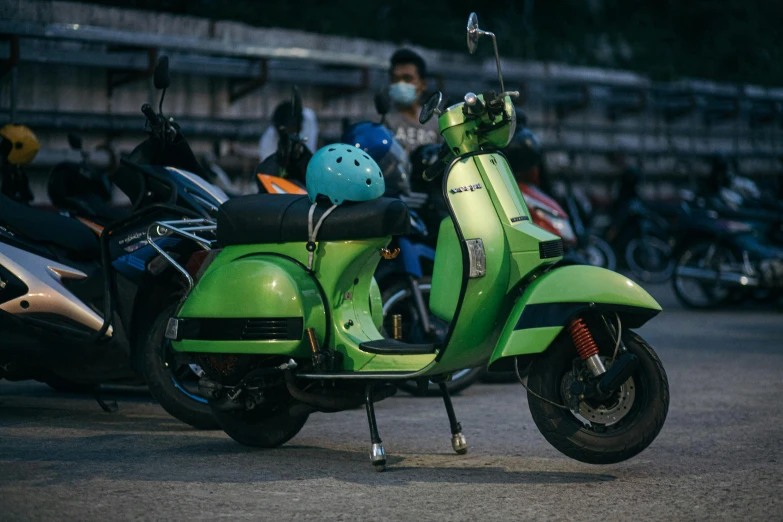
[[686, 118]]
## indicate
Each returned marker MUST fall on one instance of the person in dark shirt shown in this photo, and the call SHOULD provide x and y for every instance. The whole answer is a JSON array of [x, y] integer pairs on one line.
[[407, 78]]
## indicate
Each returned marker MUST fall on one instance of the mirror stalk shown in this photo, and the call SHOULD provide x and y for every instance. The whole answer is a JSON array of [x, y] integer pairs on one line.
[[497, 60], [160, 104]]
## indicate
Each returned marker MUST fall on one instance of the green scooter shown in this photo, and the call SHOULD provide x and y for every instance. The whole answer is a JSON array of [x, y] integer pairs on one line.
[[284, 324]]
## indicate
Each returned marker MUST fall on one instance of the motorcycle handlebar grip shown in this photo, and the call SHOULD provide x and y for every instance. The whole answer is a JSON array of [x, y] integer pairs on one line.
[[149, 112]]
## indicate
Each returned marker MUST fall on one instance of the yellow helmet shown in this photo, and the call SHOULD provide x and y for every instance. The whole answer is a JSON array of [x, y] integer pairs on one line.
[[20, 142]]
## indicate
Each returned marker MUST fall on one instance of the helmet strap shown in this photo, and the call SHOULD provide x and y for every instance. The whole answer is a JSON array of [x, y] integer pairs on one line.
[[313, 232]]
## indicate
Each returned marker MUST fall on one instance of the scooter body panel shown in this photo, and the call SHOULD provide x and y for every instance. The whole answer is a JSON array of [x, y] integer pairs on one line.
[[271, 281], [554, 298], [486, 205]]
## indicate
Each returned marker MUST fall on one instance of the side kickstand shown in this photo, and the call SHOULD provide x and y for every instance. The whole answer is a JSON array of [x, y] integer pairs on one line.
[[457, 438], [108, 408]]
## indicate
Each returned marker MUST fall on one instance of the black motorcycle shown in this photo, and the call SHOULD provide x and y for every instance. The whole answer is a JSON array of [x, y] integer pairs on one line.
[[80, 298], [727, 252]]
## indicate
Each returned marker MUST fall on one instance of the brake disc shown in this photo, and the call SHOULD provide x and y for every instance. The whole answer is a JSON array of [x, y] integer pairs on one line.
[[606, 413]]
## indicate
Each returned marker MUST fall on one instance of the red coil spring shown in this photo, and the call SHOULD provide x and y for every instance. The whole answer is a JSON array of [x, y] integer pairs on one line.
[[583, 339]]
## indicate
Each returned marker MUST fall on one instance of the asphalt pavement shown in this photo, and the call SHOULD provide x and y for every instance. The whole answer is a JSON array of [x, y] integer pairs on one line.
[[718, 457]]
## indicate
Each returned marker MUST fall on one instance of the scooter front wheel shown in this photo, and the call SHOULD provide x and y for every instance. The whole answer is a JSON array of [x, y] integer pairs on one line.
[[599, 432]]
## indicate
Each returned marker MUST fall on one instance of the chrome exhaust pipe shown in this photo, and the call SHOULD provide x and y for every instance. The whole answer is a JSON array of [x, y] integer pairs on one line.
[[713, 276]]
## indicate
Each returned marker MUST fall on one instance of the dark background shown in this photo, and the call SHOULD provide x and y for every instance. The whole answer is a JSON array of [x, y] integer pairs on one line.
[[724, 40]]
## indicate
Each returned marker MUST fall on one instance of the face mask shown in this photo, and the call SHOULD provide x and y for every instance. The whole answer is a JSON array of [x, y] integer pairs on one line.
[[403, 93]]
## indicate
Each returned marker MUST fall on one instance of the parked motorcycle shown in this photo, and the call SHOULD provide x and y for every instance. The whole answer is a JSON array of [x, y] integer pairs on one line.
[[641, 236], [78, 298], [280, 316], [727, 252], [292, 156]]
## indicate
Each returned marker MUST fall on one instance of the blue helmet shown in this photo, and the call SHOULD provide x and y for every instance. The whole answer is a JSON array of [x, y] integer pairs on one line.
[[379, 142], [342, 172]]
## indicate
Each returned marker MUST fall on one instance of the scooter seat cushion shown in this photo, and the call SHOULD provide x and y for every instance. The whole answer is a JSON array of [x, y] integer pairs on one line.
[[282, 218], [50, 228]]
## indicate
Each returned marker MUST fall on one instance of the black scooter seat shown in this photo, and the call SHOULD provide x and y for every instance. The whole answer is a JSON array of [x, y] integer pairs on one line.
[[282, 218], [49, 228]]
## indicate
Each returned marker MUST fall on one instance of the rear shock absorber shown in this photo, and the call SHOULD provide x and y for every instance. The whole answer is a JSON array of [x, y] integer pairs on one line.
[[586, 346]]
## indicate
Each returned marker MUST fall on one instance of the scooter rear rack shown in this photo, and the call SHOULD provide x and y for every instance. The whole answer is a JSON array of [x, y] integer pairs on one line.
[[201, 231]]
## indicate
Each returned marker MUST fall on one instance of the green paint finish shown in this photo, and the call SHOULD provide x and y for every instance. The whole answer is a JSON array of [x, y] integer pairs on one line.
[[522, 265], [588, 284], [447, 272], [502, 187], [482, 308], [255, 287], [287, 348], [250, 281], [350, 305], [247, 281], [376, 304], [461, 133], [522, 236], [524, 342]]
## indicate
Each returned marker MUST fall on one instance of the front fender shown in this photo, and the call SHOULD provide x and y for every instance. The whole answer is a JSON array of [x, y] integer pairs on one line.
[[553, 299]]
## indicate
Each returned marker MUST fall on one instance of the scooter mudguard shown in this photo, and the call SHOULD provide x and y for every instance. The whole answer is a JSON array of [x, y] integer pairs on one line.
[[553, 299], [226, 314]]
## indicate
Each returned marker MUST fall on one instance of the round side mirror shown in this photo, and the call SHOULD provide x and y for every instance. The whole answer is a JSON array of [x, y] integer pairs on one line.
[[430, 107], [161, 75], [474, 33]]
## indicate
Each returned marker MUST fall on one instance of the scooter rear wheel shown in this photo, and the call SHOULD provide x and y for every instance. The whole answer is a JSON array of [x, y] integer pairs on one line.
[[259, 428], [599, 433]]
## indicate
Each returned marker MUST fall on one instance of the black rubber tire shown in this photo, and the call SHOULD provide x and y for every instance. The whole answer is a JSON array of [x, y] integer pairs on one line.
[[604, 250], [175, 402], [715, 302], [257, 430], [563, 430], [634, 259]]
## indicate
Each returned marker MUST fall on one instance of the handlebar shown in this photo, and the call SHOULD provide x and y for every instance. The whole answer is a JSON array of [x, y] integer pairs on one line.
[[475, 106], [149, 112]]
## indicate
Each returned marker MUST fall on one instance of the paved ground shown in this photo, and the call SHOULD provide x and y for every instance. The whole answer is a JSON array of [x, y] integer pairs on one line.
[[718, 457]]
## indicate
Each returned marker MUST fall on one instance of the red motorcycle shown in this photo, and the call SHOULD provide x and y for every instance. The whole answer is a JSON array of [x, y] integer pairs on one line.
[[549, 215]]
